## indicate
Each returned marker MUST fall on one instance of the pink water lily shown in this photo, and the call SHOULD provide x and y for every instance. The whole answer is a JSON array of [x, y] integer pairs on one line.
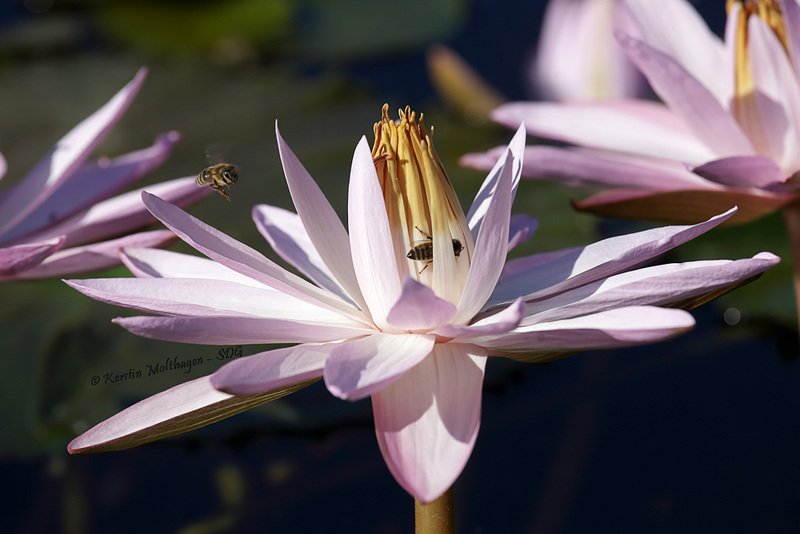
[[727, 132], [411, 331], [578, 57], [59, 219]]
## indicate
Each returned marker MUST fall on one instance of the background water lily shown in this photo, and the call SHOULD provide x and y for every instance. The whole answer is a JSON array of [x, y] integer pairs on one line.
[[724, 135], [61, 219], [578, 57], [372, 323]]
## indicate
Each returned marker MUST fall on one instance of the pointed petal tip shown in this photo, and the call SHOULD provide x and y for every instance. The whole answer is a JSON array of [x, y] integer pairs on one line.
[[77, 446], [768, 256]]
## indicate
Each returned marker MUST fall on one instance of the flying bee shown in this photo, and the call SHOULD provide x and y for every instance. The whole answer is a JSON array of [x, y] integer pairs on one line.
[[218, 177], [424, 251]]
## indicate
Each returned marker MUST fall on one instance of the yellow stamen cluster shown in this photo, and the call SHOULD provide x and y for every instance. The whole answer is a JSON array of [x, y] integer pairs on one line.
[[770, 12], [745, 106], [767, 10], [421, 204]]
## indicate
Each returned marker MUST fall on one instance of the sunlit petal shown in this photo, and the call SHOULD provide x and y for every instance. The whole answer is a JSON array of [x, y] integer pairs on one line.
[[360, 367], [427, 421]]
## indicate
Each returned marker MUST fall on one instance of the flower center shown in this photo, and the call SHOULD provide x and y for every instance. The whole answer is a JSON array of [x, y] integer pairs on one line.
[[430, 234]]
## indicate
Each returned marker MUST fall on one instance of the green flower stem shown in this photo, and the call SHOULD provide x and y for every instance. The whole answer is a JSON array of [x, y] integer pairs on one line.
[[435, 517], [791, 216]]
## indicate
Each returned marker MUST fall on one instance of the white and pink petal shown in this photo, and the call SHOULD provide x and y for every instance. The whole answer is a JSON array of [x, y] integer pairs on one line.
[[640, 128], [285, 233], [685, 95], [508, 164], [95, 256], [179, 409], [776, 96], [66, 157], [17, 259], [619, 327], [358, 368], [427, 422], [92, 183], [674, 28], [272, 369], [659, 285], [579, 266], [241, 258], [122, 213], [158, 263], [236, 329], [418, 308], [742, 171], [196, 297], [371, 238], [498, 323], [321, 224], [491, 244]]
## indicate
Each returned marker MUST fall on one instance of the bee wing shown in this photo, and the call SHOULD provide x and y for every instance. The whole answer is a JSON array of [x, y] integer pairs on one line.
[[218, 152]]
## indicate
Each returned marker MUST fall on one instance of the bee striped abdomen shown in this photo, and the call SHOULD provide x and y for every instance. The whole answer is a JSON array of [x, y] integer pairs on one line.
[[424, 251]]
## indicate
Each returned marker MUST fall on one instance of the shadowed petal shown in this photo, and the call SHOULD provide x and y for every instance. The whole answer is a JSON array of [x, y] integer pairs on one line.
[[520, 228], [418, 308], [619, 327], [235, 330], [687, 206], [499, 323], [271, 370], [358, 368], [427, 421], [122, 213], [66, 157], [491, 244], [509, 162], [285, 233], [96, 256], [742, 171], [17, 259], [791, 19], [92, 183], [182, 408]]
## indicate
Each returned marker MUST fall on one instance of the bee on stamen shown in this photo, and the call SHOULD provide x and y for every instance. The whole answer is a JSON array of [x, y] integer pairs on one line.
[[424, 251]]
